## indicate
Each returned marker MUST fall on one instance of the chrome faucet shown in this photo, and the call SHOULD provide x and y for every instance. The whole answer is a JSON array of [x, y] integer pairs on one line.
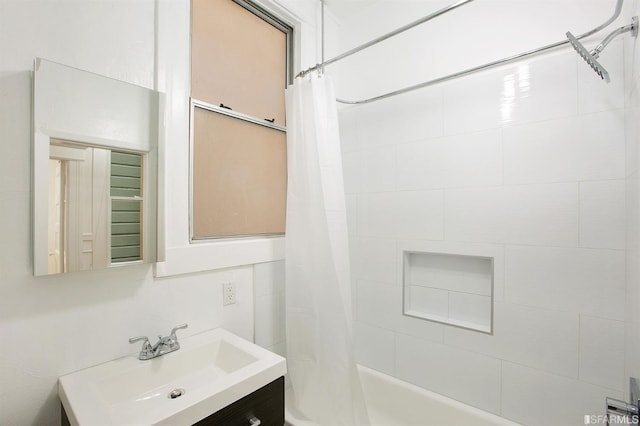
[[164, 345], [621, 412]]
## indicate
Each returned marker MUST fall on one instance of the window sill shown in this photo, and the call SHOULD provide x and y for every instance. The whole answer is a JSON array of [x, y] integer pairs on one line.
[[219, 255]]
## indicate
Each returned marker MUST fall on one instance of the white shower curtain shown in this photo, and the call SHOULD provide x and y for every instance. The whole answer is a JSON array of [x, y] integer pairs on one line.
[[320, 357]]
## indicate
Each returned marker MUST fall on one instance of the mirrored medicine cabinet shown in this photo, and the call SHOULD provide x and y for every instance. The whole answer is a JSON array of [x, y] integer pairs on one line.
[[95, 164]]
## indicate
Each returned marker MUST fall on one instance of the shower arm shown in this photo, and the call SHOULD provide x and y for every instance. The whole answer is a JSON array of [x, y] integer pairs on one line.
[[633, 28], [469, 71]]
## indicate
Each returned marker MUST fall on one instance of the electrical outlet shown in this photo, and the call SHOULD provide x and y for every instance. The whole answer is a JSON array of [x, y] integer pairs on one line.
[[228, 293]]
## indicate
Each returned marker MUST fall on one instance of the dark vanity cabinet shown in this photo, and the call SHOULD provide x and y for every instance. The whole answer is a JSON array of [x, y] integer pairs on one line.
[[264, 407]]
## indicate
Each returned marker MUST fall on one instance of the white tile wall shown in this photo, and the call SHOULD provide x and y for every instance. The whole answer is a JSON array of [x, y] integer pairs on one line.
[[588, 147], [534, 397], [632, 133], [374, 259], [529, 91], [380, 305], [632, 216], [477, 99], [379, 172], [268, 282], [420, 328], [352, 172], [269, 329], [412, 214], [197, 297], [268, 278], [440, 368], [375, 347], [520, 214], [519, 333], [449, 162], [404, 118], [529, 159], [419, 214], [602, 352], [370, 170], [632, 349], [568, 279], [602, 214], [348, 123], [470, 310], [377, 215]]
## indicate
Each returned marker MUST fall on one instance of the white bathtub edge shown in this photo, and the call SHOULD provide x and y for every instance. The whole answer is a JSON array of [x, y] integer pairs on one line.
[[438, 397], [293, 420]]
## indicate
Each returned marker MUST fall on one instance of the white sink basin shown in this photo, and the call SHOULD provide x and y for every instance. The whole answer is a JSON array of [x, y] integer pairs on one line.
[[214, 369]]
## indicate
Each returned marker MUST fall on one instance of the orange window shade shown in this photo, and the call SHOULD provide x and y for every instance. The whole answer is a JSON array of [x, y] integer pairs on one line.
[[237, 59], [239, 177]]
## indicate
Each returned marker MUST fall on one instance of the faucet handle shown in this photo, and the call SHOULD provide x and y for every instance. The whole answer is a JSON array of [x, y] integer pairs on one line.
[[178, 327], [139, 338], [172, 340], [146, 349]]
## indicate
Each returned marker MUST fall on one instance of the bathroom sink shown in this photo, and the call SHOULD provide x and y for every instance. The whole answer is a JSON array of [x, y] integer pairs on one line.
[[210, 371]]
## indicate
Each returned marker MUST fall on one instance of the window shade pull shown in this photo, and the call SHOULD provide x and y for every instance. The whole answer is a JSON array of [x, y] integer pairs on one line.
[[225, 107], [270, 120]]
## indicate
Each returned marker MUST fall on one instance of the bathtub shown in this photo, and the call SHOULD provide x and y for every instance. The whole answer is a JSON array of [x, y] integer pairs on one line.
[[392, 402]]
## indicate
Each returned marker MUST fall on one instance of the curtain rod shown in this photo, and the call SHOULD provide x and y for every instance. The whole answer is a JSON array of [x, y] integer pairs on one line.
[[381, 38], [502, 61]]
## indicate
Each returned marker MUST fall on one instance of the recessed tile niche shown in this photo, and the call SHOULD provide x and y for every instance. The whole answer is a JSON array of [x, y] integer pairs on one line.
[[453, 289]]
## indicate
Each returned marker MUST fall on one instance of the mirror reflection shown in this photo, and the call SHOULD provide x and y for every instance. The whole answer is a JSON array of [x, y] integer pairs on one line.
[[94, 210], [94, 171]]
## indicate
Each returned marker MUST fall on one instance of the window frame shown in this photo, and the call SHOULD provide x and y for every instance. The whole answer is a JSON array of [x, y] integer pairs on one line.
[[237, 115], [268, 17], [279, 24]]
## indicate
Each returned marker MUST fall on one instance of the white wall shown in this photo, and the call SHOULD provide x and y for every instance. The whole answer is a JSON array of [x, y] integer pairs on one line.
[[270, 331], [50, 326], [528, 159]]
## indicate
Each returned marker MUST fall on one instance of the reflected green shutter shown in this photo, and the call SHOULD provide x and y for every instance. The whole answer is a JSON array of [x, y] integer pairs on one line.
[[126, 181]]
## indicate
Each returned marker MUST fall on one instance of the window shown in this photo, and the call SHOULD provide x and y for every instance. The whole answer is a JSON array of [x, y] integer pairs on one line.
[[239, 71]]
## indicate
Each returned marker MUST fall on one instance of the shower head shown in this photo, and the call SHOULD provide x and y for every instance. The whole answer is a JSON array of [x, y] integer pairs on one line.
[[589, 58], [592, 57]]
